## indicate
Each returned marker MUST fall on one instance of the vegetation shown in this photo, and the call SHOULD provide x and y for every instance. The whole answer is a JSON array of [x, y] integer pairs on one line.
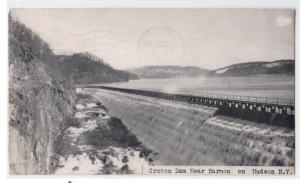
[[30, 44], [42, 98], [168, 71], [117, 134], [80, 67], [87, 68], [278, 67], [39, 98]]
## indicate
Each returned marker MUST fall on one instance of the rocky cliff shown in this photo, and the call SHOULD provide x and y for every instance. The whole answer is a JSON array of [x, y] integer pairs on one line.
[[42, 97], [39, 101]]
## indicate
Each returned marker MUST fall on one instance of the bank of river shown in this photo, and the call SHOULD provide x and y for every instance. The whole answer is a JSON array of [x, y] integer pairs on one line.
[[95, 143]]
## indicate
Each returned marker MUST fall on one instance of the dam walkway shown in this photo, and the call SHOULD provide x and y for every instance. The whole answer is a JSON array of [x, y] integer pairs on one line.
[[278, 112]]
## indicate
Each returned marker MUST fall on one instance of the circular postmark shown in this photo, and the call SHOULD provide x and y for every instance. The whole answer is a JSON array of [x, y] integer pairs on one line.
[[160, 45]]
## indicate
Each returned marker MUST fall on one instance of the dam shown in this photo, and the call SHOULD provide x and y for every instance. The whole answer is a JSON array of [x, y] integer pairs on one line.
[[277, 112]]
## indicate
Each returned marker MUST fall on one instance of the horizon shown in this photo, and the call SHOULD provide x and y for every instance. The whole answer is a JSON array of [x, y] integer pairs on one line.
[[132, 38], [210, 69]]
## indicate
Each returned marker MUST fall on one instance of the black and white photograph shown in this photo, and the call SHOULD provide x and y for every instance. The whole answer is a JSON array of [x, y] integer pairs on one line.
[[151, 91]]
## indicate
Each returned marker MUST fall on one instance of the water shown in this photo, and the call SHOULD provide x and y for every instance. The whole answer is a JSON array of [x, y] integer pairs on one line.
[[261, 88]]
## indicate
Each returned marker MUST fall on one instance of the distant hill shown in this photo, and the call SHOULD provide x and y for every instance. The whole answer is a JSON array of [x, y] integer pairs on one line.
[[167, 71], [278, 67], [286, 67], [85, 68]]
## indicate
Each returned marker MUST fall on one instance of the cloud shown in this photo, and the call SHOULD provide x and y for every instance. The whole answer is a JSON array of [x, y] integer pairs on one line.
[[283, 21]]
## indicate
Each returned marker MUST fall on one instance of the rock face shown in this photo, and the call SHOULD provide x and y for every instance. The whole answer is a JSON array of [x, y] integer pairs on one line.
[[42, 97], [38, 102]]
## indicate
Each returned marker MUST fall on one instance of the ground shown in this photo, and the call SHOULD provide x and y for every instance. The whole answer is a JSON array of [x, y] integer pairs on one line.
[[95, 143]]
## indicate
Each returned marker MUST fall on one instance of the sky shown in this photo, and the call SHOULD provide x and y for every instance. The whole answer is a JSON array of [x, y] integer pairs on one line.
[[128, 38]]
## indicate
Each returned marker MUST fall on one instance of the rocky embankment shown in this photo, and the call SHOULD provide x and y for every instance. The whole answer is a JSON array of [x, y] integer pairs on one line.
[[39, 103], [38, 106], [42, 102], [94, 143]]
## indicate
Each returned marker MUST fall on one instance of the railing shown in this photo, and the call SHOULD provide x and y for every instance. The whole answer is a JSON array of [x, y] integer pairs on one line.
[[235, 106], [243, 98], [265, 100], [268, 104]]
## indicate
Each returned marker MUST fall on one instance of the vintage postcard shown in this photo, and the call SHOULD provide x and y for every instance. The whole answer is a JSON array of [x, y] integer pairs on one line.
[[152, 91]]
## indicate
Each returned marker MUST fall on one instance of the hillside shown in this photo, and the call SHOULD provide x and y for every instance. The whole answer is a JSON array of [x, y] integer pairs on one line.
[[86, 68], [40, 99], [167, 71], [286, 67]]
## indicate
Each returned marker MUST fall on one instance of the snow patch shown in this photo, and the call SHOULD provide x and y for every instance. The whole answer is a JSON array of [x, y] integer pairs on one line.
[[79, 106], [75, 132], [80, 115], [275, 64], [79, 165], [78, 90], [221, 71], [90, 125], [134, 161], [87, 126], [90, 105]]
